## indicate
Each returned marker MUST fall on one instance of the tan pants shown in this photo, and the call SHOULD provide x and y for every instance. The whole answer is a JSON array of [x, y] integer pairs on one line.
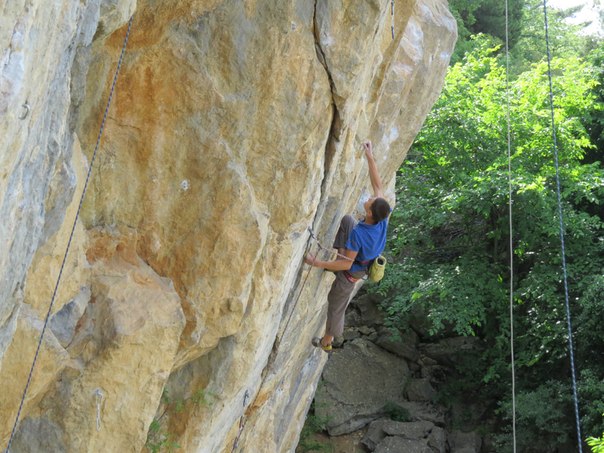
[[341, 289]]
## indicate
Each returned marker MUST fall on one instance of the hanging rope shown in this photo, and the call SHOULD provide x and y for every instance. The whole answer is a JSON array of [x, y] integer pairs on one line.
[[562, 245], [242, 421], [289, 317], [322, 247], [510, 227], [392, 18], [54, 294]]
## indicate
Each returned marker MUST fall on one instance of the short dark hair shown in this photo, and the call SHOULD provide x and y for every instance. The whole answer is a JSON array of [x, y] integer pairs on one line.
[[380, 209]]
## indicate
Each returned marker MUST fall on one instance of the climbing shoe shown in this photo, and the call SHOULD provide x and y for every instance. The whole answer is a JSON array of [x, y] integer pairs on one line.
[[316, 342]]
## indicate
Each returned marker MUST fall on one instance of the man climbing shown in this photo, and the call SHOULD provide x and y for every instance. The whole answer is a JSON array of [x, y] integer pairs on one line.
[[358, 244]]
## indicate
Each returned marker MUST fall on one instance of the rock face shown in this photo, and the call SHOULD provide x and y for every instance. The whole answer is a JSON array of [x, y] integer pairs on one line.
[[184, 314]]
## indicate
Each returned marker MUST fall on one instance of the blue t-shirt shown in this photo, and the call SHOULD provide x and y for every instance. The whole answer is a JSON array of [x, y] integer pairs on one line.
[[368, 241]]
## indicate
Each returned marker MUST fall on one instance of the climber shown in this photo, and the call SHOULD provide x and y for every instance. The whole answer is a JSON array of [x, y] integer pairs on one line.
[[358, 243]]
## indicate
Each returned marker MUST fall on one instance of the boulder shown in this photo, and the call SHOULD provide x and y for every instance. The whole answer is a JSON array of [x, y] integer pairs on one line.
[[408, 430], [465, 442], [438, 440], [369, 310], [358, 382], [426, 411], [444, 351], [422, 433], [420, 390], [403, 345], [400, 445], [375, 434]]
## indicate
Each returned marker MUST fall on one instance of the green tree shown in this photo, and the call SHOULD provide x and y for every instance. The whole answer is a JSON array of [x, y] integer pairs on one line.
[[486, 17], [596, 444], [449, 234]]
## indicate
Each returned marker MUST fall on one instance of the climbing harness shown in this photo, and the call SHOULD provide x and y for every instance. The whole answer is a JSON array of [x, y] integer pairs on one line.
[[54, 294], [562, 244], [510, 228]]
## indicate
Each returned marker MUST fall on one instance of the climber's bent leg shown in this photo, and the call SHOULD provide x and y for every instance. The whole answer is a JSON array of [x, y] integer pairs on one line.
[[346, 225], [338, 299]]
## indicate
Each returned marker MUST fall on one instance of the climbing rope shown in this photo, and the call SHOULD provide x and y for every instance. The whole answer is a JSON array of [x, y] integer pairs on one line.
[[562, 244], [322, 247], [510, 227], [54, 294], [392, 18], [308, 246], [242, 421], [243, 418], [313, 237]]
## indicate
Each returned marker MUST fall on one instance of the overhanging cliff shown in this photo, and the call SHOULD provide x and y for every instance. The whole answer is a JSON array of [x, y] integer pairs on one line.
[[185, 313]]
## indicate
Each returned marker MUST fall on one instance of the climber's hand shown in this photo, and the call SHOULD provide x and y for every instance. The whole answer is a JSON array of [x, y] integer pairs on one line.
[[309, 259], [368, 149]]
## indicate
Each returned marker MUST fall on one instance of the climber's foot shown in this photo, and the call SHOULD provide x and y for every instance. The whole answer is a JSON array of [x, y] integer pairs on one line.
[[318, 343]]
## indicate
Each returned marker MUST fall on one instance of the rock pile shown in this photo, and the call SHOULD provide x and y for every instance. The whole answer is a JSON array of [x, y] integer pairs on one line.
[[386, 388]]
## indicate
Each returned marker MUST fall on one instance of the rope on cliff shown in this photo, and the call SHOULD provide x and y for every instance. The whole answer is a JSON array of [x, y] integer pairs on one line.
[[392, 18], [243, 418], [313, 237], [562, 244], [322, 247], [242, 421], [289, 317], [54, 294]]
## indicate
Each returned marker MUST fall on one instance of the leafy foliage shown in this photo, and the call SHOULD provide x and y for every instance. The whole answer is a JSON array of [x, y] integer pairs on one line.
[[596, 444], [396, 412], [450, 234], [312, 425], [486, 16]]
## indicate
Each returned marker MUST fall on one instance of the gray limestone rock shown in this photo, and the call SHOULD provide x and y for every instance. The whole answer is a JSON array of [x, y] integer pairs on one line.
[[36, 435], [462, 442], [438, 439], [63, 322], [351, 334], [358, 382], [420, 390], [408, 430], [400, 445], [371, 314], [425, 411], [375, 434], [405, 347], [444, 351]]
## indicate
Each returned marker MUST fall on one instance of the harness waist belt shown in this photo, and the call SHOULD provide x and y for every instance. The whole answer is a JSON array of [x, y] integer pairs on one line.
[[350, 278]]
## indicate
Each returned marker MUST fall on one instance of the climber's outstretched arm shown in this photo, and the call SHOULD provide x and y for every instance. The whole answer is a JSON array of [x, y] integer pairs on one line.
[[341, 264], [374, 176]]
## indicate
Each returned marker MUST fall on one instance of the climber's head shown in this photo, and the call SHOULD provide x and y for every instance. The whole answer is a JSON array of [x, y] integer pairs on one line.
[[376, 210]]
